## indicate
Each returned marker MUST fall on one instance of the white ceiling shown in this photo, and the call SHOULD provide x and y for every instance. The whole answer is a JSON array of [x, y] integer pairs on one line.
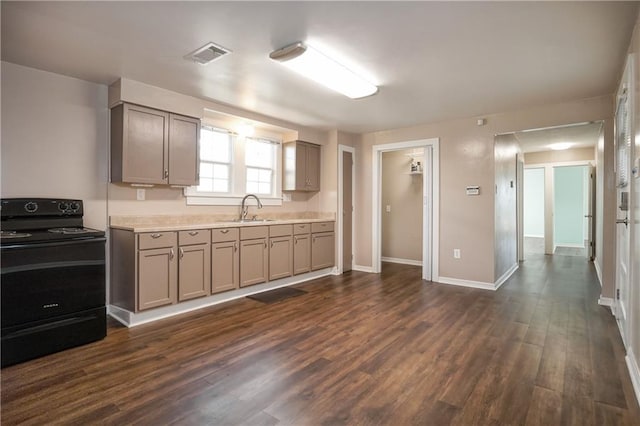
[[432, 60]]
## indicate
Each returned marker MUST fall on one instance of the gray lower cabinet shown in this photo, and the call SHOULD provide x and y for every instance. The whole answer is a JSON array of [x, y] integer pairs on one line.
[[254, 255], [194, 266], [322, 245], [301, 248], [225, 260], [157, 270], [280, 251]]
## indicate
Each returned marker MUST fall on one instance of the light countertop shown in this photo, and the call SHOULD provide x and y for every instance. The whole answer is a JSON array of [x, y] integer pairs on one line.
[[191, 222]]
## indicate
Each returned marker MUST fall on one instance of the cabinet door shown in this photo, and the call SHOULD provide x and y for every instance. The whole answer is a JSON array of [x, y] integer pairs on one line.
[[280, 257], [301, 166], [194, 271], [301, 253], [224, 266], [157, 278], [144, 145], [183, 150], [322, 250], [312, 168], [253, 262]]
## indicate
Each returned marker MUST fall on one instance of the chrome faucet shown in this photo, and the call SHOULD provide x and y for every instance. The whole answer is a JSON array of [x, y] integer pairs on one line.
[[245, 208]]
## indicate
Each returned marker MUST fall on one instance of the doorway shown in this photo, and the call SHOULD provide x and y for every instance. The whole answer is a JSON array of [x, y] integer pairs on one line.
[[346, 211], [430, 161]]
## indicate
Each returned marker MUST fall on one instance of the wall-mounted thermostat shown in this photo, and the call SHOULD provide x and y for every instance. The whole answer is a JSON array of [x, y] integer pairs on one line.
[[473, 190]]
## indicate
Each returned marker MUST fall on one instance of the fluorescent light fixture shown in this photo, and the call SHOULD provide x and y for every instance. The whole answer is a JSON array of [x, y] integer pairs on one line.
[[561, 146], [318, 67]]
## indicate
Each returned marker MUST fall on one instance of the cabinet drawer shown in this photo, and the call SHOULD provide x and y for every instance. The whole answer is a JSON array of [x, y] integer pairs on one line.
[[253, 232], [301, 228], [151, 240], [196, 236], [280, 230], [224, 234], [322, 227]]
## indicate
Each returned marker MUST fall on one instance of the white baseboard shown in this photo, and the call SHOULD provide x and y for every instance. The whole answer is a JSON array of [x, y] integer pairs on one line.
[[466, 283], [132, 319], [361, 268], [605, 301], [506, 275], [634, 372], [480, 284], [402, 261], [581, 246]]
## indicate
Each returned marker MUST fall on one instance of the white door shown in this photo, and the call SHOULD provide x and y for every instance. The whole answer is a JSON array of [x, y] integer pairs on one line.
[[623, 163]]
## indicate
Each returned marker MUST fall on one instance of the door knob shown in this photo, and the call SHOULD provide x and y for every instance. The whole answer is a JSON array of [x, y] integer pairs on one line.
[[625, 221]]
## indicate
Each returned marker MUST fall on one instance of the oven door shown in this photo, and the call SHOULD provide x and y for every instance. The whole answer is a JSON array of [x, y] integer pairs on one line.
[[47, 280]]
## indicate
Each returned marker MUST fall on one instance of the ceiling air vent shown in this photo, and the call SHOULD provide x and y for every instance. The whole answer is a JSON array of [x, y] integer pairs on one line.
[[207, 53]]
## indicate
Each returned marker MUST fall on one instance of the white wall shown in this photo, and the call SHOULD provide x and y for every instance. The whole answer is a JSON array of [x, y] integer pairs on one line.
[[534, 202], [55, 139]]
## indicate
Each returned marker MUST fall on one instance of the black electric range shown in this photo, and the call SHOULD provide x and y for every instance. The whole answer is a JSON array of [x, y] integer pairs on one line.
[[52, 278]]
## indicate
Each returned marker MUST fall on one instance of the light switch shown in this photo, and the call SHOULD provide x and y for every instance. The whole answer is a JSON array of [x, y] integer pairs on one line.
[[388, 208]]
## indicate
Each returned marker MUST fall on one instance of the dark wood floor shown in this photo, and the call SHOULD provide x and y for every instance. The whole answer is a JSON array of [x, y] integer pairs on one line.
[[357, 349]]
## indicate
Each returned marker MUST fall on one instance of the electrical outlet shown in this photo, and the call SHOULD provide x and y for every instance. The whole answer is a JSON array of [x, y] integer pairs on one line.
[[456, 253], [140, 194]]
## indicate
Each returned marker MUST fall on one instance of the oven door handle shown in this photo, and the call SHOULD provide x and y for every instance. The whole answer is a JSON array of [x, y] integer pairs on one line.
[[56, 243], [50, 265]]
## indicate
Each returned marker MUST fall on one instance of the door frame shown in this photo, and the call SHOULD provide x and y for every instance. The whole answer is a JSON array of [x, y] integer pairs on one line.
[[430, 204], [340, 222], [549, 207]]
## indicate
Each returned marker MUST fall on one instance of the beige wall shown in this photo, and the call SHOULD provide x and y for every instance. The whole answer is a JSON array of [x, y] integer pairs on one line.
[[466, 158], [576, 154], [402, 226], [506, 229], [55, 139]]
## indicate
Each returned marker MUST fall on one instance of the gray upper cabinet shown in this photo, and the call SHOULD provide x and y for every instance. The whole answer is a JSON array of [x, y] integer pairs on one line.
[[301, 166], [150, 146]]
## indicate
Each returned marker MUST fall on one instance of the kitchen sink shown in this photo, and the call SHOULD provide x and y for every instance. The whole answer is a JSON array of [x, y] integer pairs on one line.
[[253, 220]]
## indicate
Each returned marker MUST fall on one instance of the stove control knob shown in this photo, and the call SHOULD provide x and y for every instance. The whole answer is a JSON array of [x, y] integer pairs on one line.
[[63, 207], [74, 206], [31, 207]]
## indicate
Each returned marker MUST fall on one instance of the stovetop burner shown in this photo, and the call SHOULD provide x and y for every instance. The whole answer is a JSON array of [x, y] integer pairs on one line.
[[69, 231], [13, 234]]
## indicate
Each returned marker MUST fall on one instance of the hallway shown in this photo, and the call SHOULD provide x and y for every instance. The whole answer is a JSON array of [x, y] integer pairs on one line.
[[355, 349]]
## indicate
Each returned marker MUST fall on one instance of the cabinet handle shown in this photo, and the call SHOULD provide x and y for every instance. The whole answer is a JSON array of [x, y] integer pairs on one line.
[[224, 231], [265, 244], [235, 246], [295, 240], [314, 239], [193, 233], [166, 173], [156, 236], [171, 254], [181, 252], [271, 244]]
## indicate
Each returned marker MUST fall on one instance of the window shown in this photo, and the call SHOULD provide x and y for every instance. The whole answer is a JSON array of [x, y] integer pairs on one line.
[[260, 161], [232, 166], [215, 160]]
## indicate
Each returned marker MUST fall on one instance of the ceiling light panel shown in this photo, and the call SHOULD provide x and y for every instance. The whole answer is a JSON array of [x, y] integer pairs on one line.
[[317, 66]]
